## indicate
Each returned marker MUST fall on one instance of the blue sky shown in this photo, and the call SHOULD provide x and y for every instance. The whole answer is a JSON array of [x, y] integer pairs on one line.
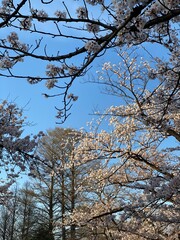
[[41, 111]]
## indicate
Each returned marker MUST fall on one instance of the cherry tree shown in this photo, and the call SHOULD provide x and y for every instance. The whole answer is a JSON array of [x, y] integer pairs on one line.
[[39, 31], [16, 149], [138, 187]]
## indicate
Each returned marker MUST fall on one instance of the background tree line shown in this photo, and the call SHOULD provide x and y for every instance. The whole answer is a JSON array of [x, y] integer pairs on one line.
[[78, 190], [38, 209]]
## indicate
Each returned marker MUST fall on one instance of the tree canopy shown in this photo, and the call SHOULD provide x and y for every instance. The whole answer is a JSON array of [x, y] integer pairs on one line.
[[130, 184]]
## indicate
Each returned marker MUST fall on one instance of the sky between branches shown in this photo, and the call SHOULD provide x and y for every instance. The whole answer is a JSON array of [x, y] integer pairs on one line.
[[41, 111]]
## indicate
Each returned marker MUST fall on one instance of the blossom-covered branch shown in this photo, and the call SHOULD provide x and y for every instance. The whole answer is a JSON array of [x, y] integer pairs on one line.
[[115, 24]]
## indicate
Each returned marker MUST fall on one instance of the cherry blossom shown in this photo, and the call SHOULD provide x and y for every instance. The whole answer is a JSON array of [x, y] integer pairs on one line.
[[92, 46], [137, 186], [16, 150], [81, 12]]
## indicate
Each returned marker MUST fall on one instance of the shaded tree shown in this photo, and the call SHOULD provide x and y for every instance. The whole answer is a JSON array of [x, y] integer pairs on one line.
[[14, 208], [42, 234], [5, 222], [58, 183], [27, 212]]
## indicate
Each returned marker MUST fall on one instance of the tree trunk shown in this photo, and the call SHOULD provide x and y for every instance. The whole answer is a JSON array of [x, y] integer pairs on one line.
[[63, 206], [13, 215], [4, 227], [73, 229], [51, 215]]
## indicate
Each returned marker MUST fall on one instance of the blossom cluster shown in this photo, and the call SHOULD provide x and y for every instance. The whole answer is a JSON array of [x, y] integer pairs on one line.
[[26, 23], [73, 97], [51, 83], [53, 71], [6, 62], [60, 14], [6, 7], [81, 12], [34, 80], [13, 39], [93, 28], [40, 14], [94, 2], [92, 46]]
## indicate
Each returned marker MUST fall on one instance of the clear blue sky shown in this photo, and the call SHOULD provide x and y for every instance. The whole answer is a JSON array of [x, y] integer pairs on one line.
[[41, 111]]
